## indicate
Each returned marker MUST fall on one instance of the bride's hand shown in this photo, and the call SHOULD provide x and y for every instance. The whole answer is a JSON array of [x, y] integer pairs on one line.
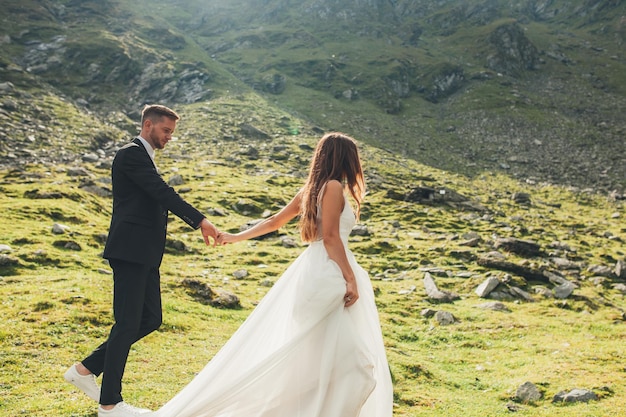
[[225, 237], [352, 294]]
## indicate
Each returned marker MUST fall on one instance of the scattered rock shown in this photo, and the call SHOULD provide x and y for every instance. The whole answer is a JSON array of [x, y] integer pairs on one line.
[[620, 269], [288, 242], [511, 406], [565, 264], [6, 260], [97, 190], [217, 212], [435, 294], [495, 306], [528, 393], [42, 195], [464, 255], [176, 245], [7, 86], [240, 273], [499, 262], [518, 246], [253, 132], [439, 272], [247, 207], [78, 172], [487, 286], [445, 318], [555, 278], [250, 152], [564, 290], [620, 287], [59, 229], [204, 294], [473, 242], [601, 270], [360, 230], [543, 291], [226, 300], [67, 244], [561, 246], [521, 198], [90, 157], [503, 295], [521, 293], [431, 195], [575, 395], [176, 180]]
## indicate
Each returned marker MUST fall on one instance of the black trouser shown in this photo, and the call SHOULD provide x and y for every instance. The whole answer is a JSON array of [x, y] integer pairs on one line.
[[137, 312]]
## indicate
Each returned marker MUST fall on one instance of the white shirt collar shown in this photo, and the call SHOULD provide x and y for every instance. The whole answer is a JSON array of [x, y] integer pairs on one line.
[[148, 147]]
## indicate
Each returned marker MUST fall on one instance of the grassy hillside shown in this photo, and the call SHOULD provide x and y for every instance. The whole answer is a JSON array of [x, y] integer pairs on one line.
[[415, 78], [377, 69], [56, 288], [256, 83]]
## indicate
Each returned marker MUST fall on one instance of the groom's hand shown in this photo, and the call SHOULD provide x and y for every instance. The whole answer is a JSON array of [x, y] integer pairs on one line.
[[208, 231]]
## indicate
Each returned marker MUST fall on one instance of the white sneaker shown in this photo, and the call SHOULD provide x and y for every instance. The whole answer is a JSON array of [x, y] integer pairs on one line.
[[85, 383], [122, 409]]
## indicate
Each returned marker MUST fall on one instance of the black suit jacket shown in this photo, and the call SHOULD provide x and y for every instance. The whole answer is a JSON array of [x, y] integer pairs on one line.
[[141, 201]]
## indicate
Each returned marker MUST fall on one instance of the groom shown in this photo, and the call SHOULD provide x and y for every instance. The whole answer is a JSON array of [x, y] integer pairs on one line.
[[134, 248]]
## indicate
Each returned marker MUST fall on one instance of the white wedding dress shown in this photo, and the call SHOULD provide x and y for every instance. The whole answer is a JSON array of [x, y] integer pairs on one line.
[[300, 353]]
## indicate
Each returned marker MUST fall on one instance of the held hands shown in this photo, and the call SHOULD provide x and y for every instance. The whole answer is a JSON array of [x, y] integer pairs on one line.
[[209, 231], [225, 237]]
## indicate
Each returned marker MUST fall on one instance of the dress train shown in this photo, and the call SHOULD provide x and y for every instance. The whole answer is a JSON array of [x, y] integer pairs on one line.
[[301, 352]]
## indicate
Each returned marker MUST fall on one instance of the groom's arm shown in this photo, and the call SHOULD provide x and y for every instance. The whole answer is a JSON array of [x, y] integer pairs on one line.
[[139, 168]]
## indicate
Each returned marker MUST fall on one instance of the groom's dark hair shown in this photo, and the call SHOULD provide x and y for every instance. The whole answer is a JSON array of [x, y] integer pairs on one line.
[[154, 112]]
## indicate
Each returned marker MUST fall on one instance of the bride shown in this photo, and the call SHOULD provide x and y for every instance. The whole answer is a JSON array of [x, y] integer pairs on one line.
[[313, 346]]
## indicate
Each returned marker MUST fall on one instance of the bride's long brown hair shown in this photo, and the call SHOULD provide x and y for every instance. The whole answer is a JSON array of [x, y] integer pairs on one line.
[[336, 157]]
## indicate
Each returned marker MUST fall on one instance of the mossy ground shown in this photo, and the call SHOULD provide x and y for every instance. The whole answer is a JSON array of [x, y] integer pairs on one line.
[[56, 301]]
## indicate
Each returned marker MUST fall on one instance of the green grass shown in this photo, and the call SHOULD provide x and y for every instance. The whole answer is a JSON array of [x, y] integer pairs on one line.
[[56, 301]]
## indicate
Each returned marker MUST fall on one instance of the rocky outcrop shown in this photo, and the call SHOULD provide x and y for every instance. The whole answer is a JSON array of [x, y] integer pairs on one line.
[[488, 81], [161, 82], [514, 53], [443, 81]]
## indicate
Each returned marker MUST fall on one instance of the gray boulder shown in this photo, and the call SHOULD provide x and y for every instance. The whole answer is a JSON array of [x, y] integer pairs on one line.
[[575, 395], [445, 318], [487, 286], [434, 293], [527, 393]]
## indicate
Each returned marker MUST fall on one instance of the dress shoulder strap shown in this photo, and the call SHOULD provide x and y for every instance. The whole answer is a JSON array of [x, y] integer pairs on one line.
[[319, 202], [320, 195]]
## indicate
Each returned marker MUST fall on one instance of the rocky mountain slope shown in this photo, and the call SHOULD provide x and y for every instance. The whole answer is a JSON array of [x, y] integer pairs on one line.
[[532, 88]]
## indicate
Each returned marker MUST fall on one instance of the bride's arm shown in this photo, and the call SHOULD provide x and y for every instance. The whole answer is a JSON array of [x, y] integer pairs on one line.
[[268, 225], [332, 207]]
